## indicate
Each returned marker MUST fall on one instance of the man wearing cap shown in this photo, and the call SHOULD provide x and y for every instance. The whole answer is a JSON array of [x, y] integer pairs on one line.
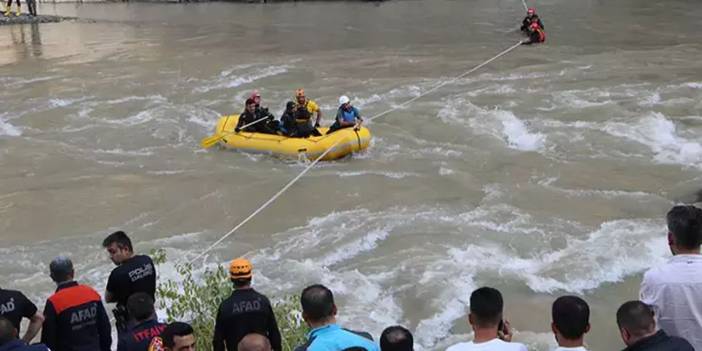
[[245, 311], [75, 320], [346, 116]]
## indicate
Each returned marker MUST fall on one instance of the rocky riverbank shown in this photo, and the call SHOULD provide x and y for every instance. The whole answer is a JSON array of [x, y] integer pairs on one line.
[[27, 19]]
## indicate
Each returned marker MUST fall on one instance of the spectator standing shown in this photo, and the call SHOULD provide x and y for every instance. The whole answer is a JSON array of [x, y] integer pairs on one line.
[[319, 312], [637, 327], [570, 322], [146, 327], [14, 305], [396, 338], [674, 289], [134, 273], [246, 311], [75, 319], [492, 333]]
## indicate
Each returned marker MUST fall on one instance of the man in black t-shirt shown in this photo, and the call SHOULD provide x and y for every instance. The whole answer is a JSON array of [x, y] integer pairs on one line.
[[134, 273], [14, 305]]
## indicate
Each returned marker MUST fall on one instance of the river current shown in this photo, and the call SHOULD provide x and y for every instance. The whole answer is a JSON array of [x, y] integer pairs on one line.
[[547, 172]]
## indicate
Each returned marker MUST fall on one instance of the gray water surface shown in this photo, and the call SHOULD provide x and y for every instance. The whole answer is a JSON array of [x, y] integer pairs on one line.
[[547, 172]]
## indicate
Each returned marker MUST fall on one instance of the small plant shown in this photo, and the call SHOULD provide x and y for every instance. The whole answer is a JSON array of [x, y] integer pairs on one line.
[[196, 299]]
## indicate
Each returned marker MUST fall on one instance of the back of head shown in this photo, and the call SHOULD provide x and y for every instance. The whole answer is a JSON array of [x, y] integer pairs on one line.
[[120, 238], [685, 223], [486, 306], [396, 338], [637, 318], [289, 105], [317, 302], [254, 342], [571, 316], [140, 306], [173, 330], [61, 269], [7, 331]]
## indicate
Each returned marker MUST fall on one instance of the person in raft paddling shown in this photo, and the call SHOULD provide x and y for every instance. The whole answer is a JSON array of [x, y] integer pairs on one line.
[[250, 115], [536, 35], [304, 110], [346, 116]]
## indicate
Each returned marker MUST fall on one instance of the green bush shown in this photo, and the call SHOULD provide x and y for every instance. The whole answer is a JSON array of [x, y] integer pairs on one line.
[[196, 300]]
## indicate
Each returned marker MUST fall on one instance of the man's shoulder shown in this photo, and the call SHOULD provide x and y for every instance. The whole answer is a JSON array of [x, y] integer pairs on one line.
[[497, 345]]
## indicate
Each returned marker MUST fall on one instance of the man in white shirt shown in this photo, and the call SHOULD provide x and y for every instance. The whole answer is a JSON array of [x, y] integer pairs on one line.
[[491, 333], [570, 321], [674, 289]]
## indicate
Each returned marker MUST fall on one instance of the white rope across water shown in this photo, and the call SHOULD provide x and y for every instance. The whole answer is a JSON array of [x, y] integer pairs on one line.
[[525, 5], [313, 163]]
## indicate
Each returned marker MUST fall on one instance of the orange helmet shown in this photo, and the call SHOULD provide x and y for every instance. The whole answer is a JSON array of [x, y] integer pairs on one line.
[[240, 268], [300, 92]]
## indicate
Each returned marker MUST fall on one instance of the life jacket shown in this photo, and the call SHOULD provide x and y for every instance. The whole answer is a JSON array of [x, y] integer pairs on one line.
[[302, 114]]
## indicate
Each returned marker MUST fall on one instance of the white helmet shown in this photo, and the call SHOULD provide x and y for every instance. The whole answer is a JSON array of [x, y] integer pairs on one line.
[[344, 100]]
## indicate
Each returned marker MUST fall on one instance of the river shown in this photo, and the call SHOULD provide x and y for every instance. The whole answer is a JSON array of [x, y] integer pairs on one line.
[[547, 172]]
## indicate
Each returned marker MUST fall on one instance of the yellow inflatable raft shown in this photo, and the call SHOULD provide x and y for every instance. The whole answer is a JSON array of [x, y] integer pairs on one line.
[[344, 141]]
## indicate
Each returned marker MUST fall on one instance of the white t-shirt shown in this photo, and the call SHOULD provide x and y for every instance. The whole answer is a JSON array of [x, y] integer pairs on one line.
[[494, 344], [674, 289], [579, 348]]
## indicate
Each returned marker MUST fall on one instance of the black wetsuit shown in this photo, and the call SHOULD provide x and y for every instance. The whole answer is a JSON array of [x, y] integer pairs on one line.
[[266, 126], [288, 121], [245, 311], [527, 22]]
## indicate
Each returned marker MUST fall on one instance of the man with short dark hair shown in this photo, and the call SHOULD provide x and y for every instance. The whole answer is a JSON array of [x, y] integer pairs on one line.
[[75, 317], [637, 327], [14, 305], [254, 342], [674, 289], [246, 311], [177, 336], [138, 337], [570, 322], [396, 338], [9, 341], [485, 317], [134, 273], [319, 312]]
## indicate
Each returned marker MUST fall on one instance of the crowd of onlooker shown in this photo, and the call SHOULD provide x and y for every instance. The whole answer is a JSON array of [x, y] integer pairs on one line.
[[667, 316]]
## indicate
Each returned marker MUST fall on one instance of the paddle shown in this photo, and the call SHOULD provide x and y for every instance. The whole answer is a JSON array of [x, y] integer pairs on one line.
[[214, 139]]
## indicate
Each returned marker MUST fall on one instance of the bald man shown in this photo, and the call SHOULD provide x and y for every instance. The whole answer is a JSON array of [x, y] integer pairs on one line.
[[254, 342]]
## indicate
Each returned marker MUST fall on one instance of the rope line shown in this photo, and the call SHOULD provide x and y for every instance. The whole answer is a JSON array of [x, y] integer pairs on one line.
[[313, 163], [525, 5]]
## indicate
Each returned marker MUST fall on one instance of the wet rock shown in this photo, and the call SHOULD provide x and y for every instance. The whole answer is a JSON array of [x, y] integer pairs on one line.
[[26, 19]]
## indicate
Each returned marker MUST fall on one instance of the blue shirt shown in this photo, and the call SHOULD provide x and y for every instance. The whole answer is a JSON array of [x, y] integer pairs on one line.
[[348, 116], [333, 338], [19, 345]]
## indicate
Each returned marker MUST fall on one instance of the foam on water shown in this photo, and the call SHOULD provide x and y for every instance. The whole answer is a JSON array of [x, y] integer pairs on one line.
[[226, 81], [7, 129], [393, 175], [517, 133], [662, 137]]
